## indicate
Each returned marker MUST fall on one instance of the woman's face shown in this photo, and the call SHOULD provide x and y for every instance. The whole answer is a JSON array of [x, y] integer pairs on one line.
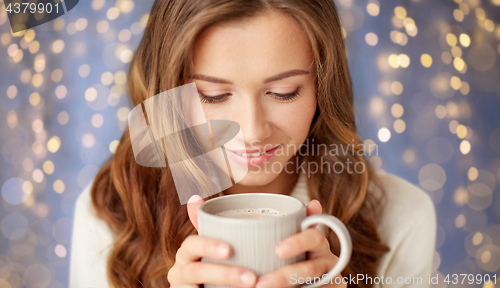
[[258, 73]]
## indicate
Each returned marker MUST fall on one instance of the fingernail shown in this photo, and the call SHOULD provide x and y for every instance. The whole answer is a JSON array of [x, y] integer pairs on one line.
[[247, 278], [283, 249], [264, 283], [223, 249], [194, 199]]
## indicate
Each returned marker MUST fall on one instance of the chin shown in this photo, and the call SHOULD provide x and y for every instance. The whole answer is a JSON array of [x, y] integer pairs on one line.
[[256, 178]]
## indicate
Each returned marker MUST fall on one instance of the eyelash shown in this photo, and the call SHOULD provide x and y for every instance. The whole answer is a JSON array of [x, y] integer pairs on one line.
[[221, 98]]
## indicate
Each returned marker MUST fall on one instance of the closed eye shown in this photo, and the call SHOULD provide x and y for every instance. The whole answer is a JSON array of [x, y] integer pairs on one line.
[[221, 98]]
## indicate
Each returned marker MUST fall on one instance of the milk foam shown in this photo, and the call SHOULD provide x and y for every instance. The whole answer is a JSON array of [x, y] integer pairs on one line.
[[251, 213]]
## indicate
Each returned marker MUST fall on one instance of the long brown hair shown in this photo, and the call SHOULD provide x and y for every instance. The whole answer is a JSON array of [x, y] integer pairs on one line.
[[141, 205]]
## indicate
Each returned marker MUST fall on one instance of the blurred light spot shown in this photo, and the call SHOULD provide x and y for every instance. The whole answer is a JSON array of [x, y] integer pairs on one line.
[[57, 75], [113, 13], [125, 35], [88, 140], [97, 120], [426, 60], [97, 4], [472, 173], [144, 19], [27, 187], [58, 24], [113, 145], [440, 111], [373, 9], [370, 38], [34, 47], [397, 110], [63, 118], [71, 28], [54, 144], [37, 125], [81, 24], [369, 146], [393, 61], [455, 83], [396, 88], [91, 94], [102, 26], [460, 221], [459, 64], [12, 91], [488, 258], [58, 46], [39, 63], [120, 78], [477, 238], [461, 131], [384, 134], [440, 85], [122, 114], [465, 88], [37, 80], [126, 56], [432, 177], [451, 39], [482, 57], [409, 156], [60, 251], [84, 70], [58, 186], [458, 15], [461, 196], [61, 91], [452, 110], [480, 196], [107, 78], [400, 12], [12, 119], [456, 51], [125, 6], [37, 175], [399, 126], [465, 147], [377, 106], [48, 167]]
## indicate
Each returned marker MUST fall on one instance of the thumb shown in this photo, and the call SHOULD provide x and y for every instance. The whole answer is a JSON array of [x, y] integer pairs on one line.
[[192, 208]]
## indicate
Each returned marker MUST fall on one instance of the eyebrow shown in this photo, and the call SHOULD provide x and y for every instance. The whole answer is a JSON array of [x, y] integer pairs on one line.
[[280, 76]]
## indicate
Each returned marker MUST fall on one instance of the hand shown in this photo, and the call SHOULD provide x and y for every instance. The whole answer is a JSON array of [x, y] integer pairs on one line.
[[320, 258], [189, 271]]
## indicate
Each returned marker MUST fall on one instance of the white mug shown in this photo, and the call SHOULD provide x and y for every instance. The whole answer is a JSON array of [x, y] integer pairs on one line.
[[253, 240]]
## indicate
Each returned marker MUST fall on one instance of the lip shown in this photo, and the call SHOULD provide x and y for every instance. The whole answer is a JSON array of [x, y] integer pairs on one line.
[[252, 161]]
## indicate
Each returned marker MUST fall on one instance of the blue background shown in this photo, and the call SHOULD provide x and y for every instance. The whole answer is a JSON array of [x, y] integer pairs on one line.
[[53, 143]]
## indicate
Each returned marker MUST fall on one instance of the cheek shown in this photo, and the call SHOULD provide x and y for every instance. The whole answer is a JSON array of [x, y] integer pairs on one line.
[[294, 119]]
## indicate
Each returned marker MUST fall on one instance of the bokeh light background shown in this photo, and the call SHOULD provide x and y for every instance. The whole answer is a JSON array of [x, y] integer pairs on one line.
[[426, 81]]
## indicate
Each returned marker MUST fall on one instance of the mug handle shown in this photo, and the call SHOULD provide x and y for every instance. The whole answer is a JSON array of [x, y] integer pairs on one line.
[[344, 238]]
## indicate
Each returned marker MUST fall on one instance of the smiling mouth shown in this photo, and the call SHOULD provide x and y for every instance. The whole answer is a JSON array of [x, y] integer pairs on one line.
[[254, 154]]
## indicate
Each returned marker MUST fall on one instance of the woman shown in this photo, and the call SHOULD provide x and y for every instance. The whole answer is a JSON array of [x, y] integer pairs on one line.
[[278, 68]]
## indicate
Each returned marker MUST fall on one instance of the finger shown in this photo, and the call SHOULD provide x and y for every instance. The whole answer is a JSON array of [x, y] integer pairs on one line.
[[195, 247], [290, 275], [192, 208], [309, 240], [314, 207], [216, 274]]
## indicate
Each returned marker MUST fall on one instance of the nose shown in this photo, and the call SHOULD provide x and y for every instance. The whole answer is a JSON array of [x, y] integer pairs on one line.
[[253, 118]]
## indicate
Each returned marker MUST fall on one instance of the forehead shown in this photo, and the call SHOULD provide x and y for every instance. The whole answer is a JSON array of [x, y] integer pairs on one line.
[[267, 43]]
